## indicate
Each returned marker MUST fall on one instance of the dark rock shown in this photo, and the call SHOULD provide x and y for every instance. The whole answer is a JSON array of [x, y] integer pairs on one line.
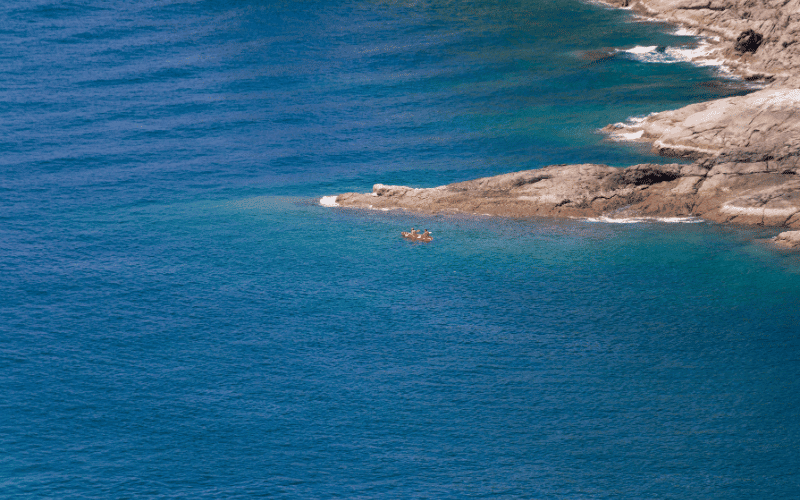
[[530, 180], [748, 41], [641, 175]]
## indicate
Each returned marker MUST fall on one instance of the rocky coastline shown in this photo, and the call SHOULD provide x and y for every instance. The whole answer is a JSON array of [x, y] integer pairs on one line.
[[756, 39], [745, 150]]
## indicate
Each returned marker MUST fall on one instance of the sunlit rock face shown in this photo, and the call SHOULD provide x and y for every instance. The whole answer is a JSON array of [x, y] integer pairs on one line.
[[761, 126], [788, 239]]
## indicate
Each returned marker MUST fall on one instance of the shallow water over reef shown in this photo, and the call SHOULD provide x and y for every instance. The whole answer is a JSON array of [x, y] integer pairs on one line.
[[180, 318]]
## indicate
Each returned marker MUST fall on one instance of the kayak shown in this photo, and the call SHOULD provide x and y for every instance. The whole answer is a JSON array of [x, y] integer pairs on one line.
[[416, 237]]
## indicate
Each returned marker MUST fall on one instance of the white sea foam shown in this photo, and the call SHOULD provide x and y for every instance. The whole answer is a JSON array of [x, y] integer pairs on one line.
[[636, 120], [642, 50], [630, 136], [702, 55], [637, 220], [328, 201], [684, 32], [631, 123]]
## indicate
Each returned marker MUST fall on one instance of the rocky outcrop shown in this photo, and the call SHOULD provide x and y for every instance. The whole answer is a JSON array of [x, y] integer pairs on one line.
[[788, 239], [761, 126], [758, 39], [760, 193], [748, 41], [747, 170], [746, 149]]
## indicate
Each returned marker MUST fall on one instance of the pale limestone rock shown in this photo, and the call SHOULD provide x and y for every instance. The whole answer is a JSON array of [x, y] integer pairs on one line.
[[766, 121], [788, 239], [739, 193]]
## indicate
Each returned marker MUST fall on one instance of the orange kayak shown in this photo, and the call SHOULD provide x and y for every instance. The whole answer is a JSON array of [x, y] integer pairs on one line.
[[415, 237]]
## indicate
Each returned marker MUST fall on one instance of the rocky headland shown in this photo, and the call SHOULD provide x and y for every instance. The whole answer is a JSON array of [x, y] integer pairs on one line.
[[746, 149]]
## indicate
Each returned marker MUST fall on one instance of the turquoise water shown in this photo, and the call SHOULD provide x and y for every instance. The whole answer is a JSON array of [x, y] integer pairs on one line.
[[179, 318]]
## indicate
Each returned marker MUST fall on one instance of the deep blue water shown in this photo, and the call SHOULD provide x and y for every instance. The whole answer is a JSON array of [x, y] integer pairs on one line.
[[179, 318]]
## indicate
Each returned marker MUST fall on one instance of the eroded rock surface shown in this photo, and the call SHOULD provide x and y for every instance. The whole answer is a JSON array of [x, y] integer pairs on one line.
[[755, 127], [788, 239], [755, 193]]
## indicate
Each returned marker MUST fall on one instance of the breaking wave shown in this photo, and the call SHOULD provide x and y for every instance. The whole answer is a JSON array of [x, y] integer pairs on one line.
[[328, 201], [702, 55]]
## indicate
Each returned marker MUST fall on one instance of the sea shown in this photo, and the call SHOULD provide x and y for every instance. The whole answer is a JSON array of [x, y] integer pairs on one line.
[[180, 317]]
